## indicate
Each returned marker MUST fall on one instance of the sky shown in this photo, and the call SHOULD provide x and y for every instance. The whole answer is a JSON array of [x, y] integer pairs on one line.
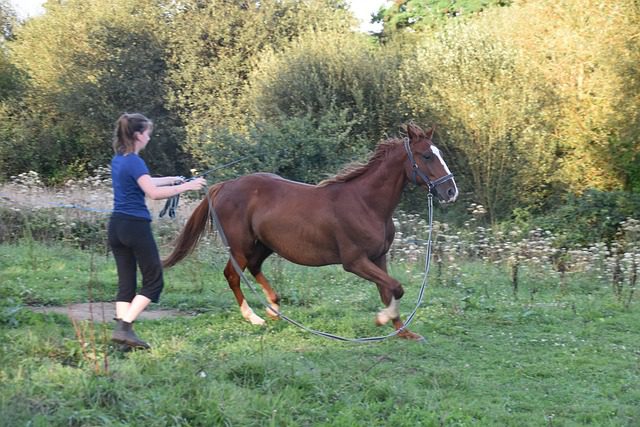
[[361, 8], [25, 8]]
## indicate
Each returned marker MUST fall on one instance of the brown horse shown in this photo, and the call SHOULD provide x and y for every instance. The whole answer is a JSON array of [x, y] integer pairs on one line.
[[343, 220]]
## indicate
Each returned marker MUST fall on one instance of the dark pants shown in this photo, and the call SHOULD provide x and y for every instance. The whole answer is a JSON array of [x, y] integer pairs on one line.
[[133, 245]]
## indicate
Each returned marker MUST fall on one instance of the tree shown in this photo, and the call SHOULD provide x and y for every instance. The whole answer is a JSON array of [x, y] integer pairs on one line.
[[623, 119], [421, 15], [213, 48], [536, 99], [587, 51], [12, 84], [492, 111], [185, 64], [10, 78], [78, 86], [324, 72], [8, 19], [302, 148]]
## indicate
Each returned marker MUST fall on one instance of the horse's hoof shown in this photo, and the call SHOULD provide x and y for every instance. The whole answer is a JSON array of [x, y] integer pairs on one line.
[[408, 335], [272, 313], [256, 320], [382, 319]]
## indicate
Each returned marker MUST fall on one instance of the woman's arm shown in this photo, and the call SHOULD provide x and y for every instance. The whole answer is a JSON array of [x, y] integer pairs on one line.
[[167, 180], [155, 192]]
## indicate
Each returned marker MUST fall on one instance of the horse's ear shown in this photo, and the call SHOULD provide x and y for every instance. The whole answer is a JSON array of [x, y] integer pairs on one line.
[[429, 133], [414, 131]]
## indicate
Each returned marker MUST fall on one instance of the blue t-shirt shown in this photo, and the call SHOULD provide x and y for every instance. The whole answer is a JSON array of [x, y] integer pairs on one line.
[[128, 197]]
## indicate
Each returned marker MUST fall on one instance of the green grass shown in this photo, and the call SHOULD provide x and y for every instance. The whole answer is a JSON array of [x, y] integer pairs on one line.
[[552, 356]]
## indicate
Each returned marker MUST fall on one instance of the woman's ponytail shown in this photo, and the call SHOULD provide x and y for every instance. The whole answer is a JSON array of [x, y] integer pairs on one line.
[[127, 125]]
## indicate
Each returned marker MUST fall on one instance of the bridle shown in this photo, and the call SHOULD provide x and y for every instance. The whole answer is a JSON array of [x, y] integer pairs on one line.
[[417, 172]]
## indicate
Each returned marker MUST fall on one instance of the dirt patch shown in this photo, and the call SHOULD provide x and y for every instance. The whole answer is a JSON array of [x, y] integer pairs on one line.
[[101, 312]]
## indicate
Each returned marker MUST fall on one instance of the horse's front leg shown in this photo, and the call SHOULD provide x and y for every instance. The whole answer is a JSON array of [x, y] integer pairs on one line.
[[391, 312], [391, 307]]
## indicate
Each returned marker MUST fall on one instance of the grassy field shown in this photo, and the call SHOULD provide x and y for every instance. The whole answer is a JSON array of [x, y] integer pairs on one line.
[[554, 356]]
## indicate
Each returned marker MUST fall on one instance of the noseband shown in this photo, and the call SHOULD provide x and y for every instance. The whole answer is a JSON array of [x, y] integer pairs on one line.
[[416, 170]]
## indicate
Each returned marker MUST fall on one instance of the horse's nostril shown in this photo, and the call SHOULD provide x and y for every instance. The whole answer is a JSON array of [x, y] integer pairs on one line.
[[451, 192]]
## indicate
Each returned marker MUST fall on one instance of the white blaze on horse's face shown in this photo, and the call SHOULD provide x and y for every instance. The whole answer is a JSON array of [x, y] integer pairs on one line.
[[453, 193], [436, 152]]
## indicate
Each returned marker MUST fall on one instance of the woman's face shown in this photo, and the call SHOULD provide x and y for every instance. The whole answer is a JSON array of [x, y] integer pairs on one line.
[[142, 139]]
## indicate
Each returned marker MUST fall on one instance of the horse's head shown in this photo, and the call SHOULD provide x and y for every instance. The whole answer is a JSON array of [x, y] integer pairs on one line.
[[427, 166]]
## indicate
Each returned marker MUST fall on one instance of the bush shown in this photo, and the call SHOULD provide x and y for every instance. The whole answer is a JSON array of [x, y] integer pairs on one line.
[[594, 216], [323, 72], [303, 149], [45, 225]]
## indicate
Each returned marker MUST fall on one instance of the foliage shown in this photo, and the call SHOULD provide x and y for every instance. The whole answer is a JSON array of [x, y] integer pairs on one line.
[[324, 72], [623, 152], [594, 216], [548, 122], [10, 77], [494, 114], [299, 148], [212, 49], [128, 61], [78, 86], [584, 50], [11, 80], [531, 102], [421, 15], [8, 20], [304, 150]]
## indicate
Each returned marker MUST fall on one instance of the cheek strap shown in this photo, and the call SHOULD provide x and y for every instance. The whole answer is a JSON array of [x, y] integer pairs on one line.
[[415, 170]]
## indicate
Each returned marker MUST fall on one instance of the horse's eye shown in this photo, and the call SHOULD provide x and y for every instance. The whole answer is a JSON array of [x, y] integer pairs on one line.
[[427, 156]]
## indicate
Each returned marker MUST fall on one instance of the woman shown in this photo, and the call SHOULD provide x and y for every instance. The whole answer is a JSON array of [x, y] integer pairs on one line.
[[129, 234]]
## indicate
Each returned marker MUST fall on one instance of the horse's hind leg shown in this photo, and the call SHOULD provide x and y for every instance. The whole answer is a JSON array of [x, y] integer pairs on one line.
[[261, 253], [233, 278]]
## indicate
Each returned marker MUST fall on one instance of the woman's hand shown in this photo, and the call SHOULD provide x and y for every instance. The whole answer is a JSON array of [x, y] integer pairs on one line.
[[196, 184], [154, 192]]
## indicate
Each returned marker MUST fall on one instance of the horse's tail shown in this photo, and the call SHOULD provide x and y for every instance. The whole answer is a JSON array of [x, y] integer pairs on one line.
[[190, 235]]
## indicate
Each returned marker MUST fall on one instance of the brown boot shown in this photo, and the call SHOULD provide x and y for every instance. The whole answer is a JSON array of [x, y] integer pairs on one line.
[[123, 334]]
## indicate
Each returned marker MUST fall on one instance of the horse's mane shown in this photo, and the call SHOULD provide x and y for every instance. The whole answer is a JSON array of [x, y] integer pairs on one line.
[[354, 170]]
